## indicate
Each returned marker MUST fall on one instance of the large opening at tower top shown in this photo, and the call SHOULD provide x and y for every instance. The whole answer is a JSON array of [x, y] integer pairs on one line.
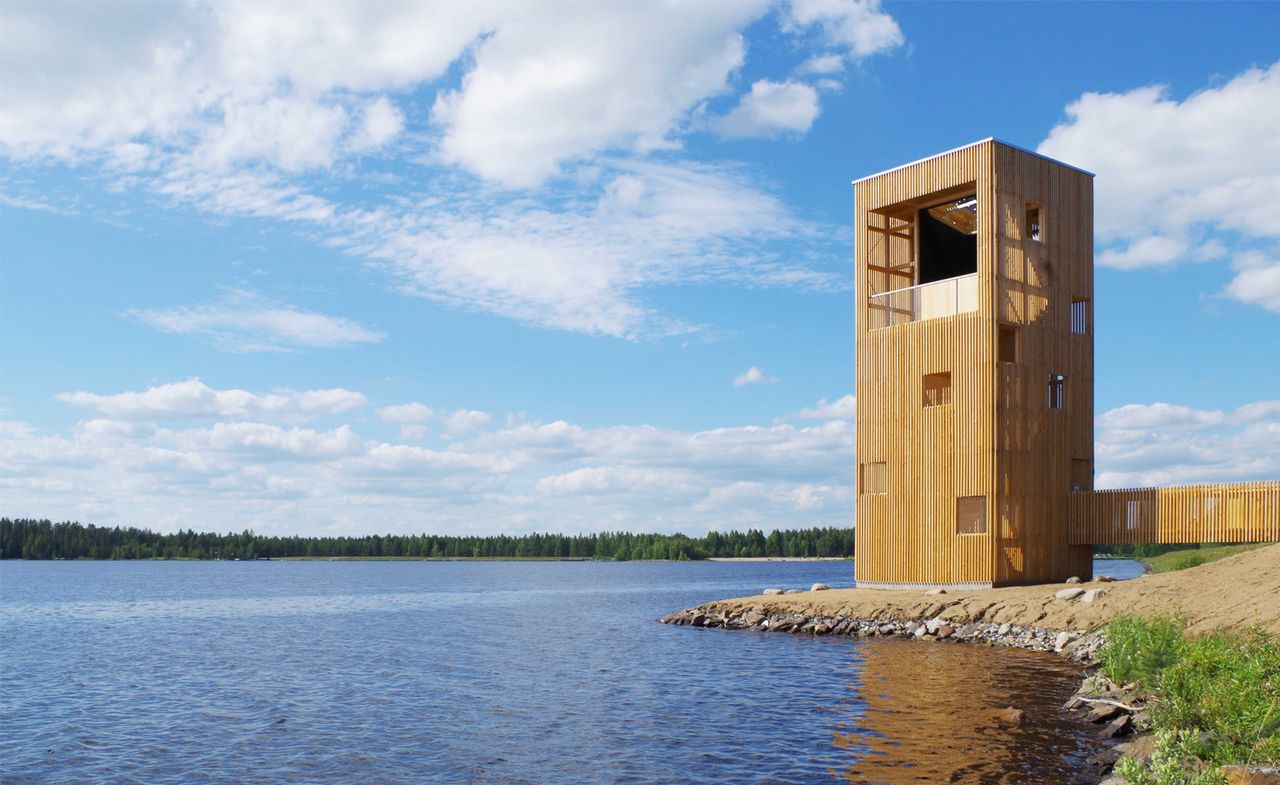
[[921, 257], [948, 239]]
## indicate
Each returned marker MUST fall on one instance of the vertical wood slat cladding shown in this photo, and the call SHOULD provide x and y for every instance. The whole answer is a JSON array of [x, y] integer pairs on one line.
[[932, 454], [1037, 281], [997, 438], [1222, 512]]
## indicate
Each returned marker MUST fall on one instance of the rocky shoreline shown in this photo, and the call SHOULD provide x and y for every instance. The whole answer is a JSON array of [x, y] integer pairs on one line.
[[1118, 712]]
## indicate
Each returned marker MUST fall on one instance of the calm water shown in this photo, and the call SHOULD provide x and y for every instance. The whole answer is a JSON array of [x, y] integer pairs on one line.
[[495, 672]]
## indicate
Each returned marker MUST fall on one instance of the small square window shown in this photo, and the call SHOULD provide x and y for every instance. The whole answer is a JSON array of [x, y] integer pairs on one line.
[[1080, 316], [937, 389], [1034, 228], [1057, 391], [875, 478], [1007, 344], [971, 515]]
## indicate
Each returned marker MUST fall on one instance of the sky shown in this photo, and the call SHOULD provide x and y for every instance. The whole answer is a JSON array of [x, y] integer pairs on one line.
[[491, 267]]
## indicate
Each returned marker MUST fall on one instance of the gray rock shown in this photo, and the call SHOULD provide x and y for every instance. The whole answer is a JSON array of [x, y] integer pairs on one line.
[[1251, 775], [932, 625], [968, 631], [752, 618], [920, 631], [819, 587], [886, 629], [821, 629], [1073, 579], [1093, 594], [1062, 640], [1102, 712], [1118, 727], [1068, 594], [793, 591], [772, 591]]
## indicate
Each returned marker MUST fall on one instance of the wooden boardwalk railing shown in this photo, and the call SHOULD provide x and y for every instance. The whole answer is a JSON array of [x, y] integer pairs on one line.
[[1224, 512]]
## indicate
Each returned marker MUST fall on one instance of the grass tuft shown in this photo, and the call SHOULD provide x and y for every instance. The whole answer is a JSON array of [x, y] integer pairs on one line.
[[1217, 697]]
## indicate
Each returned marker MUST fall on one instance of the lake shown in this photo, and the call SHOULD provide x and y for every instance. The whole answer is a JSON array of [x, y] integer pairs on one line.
[[550, 673]]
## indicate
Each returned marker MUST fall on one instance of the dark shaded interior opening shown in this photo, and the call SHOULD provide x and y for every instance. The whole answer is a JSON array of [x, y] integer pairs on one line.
[[948, 240]]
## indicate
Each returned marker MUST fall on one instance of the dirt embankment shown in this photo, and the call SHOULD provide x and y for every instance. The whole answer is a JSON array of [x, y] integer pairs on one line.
[[1233, 593]]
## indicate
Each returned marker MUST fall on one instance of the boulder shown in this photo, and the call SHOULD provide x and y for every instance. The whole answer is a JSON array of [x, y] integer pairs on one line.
[[920, 631], [1105, 579], [1102, 712], [1068, 594], [932, 625], [969, 630], [1140, 749], [752, 618], [772, 591], [793, 591], [1252, 775], [1118, 727], [819, 587], [698, 620], [944, 632], [1073, 579], [1093, 594], [1003, 630], [1062, 640]]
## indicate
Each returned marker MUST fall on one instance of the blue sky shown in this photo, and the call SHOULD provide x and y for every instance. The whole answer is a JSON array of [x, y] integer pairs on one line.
[[559, 266]]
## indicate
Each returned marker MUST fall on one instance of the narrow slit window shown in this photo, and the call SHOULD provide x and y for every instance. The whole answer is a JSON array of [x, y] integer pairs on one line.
[[1132, 510], [937, 389], [971, 515], [1081, 475], [1057, 391], [875, 478], [1035, 229], [1007, 344], [1080, 316]]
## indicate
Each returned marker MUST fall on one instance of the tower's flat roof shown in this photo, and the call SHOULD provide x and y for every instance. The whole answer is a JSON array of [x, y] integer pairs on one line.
[[975, 144]]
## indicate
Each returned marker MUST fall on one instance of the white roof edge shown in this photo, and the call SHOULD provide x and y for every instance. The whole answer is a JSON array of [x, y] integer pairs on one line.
[[975, 144]]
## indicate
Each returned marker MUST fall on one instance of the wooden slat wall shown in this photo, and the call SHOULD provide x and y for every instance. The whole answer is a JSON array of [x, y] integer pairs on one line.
[[932, 454], [1036, 283], [1223, 512]]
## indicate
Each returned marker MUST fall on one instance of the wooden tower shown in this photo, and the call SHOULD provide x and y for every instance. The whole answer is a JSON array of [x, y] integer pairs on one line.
[[974, 339]]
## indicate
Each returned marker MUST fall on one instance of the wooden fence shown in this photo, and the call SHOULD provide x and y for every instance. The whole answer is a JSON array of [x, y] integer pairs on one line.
[[1224, 512]]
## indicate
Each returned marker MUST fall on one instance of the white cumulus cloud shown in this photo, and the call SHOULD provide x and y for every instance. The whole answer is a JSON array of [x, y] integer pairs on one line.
[[753, 375], [843, 408], [1179, 180], [771, 108], [195, 399]]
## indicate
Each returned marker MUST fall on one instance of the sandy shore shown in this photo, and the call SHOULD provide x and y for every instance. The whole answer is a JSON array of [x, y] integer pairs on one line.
[[1233, 593]]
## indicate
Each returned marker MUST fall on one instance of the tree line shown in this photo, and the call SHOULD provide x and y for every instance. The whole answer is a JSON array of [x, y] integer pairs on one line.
[[24, 538]]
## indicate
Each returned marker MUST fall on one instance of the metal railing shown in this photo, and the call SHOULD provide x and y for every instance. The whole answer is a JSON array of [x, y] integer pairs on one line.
[[924, 301]]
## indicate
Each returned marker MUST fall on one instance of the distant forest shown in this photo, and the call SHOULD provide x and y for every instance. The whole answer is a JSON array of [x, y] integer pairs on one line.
[[31, 539]]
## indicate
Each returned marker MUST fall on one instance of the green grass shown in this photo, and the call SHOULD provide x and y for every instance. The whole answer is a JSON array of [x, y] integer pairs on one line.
[[1214, 697], [1181, 560]]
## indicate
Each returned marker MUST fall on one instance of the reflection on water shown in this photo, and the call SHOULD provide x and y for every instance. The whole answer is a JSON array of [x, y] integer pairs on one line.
[[938, 712], [437, 673]]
